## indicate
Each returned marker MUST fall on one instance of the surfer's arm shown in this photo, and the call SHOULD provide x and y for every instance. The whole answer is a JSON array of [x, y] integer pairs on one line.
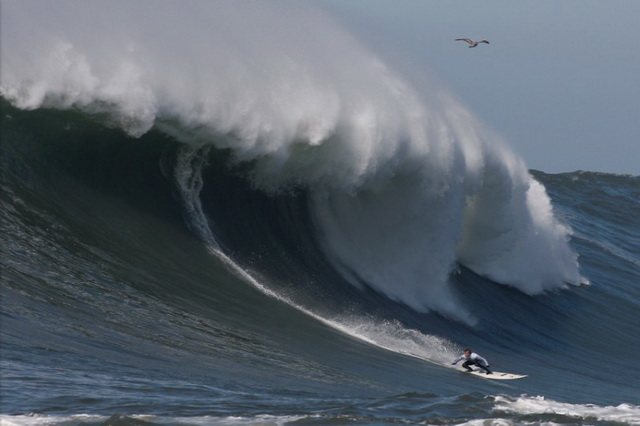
[[482, 360], [460, 358]]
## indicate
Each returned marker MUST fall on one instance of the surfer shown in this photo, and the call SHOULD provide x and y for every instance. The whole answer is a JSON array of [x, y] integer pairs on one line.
[[472, 358]]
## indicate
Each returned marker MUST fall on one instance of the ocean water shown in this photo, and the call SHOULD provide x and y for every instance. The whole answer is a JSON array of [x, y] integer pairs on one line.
[[207, 220]]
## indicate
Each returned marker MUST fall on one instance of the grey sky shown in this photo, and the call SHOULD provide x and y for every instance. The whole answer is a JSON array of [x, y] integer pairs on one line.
[[559, 81]]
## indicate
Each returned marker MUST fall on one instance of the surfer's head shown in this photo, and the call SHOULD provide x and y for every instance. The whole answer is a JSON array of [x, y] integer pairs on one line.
[[467, 352]]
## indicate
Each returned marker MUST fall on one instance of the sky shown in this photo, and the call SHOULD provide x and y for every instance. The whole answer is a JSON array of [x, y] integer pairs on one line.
[[559, 81]]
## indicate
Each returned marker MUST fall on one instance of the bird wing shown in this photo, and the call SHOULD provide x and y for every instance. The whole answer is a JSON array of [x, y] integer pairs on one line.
[[483, 41], [468, 40]]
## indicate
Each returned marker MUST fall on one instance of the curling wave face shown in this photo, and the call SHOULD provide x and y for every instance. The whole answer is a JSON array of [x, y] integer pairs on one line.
[[404, 186]]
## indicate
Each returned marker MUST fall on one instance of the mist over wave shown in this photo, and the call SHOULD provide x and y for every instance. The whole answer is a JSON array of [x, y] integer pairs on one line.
[[403, 185]]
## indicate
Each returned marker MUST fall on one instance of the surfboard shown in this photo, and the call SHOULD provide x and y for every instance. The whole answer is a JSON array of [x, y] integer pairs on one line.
[[496, 375]]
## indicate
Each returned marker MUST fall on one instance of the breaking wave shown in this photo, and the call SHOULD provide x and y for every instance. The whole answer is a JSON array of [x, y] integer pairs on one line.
[[403, 185]]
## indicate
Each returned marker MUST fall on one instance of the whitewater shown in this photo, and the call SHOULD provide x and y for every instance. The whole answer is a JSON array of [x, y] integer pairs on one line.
[[220, 212]]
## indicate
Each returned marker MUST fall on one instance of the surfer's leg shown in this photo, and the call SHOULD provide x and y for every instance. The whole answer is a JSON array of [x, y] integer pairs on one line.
[[466, 365], [484, 368]]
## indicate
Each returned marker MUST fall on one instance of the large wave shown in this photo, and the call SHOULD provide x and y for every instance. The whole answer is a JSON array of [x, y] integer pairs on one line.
[[404, 184]]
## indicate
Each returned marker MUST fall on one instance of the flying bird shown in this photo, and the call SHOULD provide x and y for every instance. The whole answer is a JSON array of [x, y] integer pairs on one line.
[[471, 42]]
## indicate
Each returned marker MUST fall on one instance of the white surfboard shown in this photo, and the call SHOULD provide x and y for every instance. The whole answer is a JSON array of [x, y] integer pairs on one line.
[[496, 375]]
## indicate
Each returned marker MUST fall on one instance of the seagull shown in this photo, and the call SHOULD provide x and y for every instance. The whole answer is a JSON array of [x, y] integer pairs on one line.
[[471, 42]]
